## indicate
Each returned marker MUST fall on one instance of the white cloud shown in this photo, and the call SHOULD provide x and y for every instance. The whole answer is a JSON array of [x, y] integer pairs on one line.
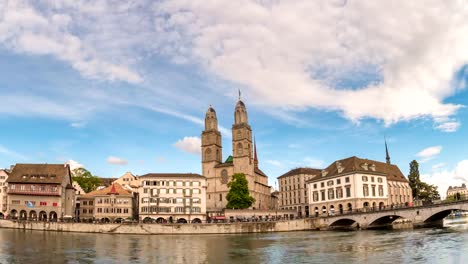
[[429, 153], [280, 54], [314, 163], [47, 30], [74, 164], [449, 126], [444, 179], [438, 166], [116, 161], [275, 163], [189, 144], [78, 124], [286, 57]]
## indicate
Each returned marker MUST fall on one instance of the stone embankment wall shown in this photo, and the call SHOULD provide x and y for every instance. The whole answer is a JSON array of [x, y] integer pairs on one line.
[[169, 229]]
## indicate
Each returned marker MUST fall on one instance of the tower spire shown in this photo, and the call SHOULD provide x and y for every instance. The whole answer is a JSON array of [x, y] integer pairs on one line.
[[239, 94], [255, 154], [387, 158]]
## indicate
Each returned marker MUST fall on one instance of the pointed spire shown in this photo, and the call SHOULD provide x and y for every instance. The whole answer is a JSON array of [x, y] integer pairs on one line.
[[387, 158], [255, 154], [239, 94]]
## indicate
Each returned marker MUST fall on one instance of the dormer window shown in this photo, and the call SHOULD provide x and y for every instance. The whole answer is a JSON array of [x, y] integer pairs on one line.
[[365, 166], [372, 167], [324, 173], [25, 176], [339, 167]]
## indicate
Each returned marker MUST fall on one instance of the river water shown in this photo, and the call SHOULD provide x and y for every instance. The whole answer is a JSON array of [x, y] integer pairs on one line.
[[413, 246]]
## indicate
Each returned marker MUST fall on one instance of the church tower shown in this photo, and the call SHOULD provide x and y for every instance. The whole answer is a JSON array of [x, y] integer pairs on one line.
[[211, 144], [242, 141]]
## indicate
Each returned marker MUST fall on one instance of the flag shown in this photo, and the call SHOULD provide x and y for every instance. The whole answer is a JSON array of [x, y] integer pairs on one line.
[[30, 204]]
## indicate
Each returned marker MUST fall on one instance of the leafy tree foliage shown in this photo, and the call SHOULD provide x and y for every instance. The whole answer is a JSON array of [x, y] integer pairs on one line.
[[238, 196], [421, 190], [85, 179]]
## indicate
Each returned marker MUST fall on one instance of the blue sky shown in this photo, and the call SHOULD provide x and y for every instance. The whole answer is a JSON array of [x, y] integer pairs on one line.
[[124, 86]]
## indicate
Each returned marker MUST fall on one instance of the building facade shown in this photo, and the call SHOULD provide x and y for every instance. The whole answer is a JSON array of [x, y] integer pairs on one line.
[[111, 204], [41, 192], [458, 192], [293, 193], [356, 183], [243, 160], [172, 198], [3, 193]]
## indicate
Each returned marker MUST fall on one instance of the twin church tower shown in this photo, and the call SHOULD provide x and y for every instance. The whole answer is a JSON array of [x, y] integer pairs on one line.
[[243, 160]]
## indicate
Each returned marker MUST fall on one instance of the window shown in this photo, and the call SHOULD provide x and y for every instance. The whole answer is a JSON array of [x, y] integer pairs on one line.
[[315, 186], [339, 193], [22, 187], [315, 196], [220, 197], [348, 191], [15, 202], [365, 189], [12, 186], [322, 184], [196, 191], [85, 203], [85, 211], [338, 181], [373, 190], [331, 194], [379, 180], [364, 178], [323, 195], [145, 190], [347, 179], [372, 179], [329, 183], [99, 210], [380, 190]]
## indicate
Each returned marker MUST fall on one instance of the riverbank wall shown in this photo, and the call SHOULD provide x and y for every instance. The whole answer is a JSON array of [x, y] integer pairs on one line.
[[165, 229]]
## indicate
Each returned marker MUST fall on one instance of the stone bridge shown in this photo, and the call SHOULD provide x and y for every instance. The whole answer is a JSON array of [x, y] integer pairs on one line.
[[418, 216]]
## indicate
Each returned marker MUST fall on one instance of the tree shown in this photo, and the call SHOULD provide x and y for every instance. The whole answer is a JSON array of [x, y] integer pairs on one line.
[[85, 179], [238, 196], [421, 190]]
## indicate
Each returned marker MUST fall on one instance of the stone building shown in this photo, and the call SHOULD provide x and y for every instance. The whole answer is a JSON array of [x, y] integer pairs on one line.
[[128, 181], [172, 197], [3, 193], [113, 203], [459, 192], [293, 190], [243, 160], [356, 183], [41, 192]]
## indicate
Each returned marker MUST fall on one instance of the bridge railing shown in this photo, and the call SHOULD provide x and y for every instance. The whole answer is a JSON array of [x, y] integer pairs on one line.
[[367, 210]]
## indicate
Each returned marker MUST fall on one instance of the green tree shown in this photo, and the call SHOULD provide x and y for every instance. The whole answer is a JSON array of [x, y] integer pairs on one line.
[[238, 196], [421, 190], [85, 179]]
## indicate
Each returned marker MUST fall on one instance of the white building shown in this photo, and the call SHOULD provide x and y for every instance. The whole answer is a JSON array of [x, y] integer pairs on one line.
[[461, 191], [356, 183], [172, 197]]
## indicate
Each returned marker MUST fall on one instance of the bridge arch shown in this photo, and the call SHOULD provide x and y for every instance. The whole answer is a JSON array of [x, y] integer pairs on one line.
[[439, 216], [343, 223], [384, 221]]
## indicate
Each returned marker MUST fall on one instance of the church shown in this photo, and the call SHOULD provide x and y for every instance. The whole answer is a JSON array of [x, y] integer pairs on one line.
[[243, 160]]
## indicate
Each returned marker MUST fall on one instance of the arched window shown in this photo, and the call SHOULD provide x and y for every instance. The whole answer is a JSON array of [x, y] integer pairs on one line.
[[224, 176], [239, 134], [240, 150], [208, 154]]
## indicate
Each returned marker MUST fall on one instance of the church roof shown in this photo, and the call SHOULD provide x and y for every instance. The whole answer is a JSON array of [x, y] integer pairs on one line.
[[260, 172], [229, 159]]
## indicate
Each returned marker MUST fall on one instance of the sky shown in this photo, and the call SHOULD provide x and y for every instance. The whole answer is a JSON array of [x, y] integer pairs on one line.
[[118, 86]]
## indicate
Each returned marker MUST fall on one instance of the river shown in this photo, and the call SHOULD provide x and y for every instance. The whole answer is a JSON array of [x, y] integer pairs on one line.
[[410, 246]]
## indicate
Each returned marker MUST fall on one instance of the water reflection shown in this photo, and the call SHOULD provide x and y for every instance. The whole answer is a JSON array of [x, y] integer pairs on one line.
[[418, 246]]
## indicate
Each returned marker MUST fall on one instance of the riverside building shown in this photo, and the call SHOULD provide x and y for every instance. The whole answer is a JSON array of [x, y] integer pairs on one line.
[[457, 191], [356, 183], [111, 204], [40, 192], [172, 197], [293, 193], [243, 160]]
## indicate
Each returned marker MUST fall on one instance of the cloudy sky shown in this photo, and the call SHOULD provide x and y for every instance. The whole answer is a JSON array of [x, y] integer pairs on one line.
[[123, 86]]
